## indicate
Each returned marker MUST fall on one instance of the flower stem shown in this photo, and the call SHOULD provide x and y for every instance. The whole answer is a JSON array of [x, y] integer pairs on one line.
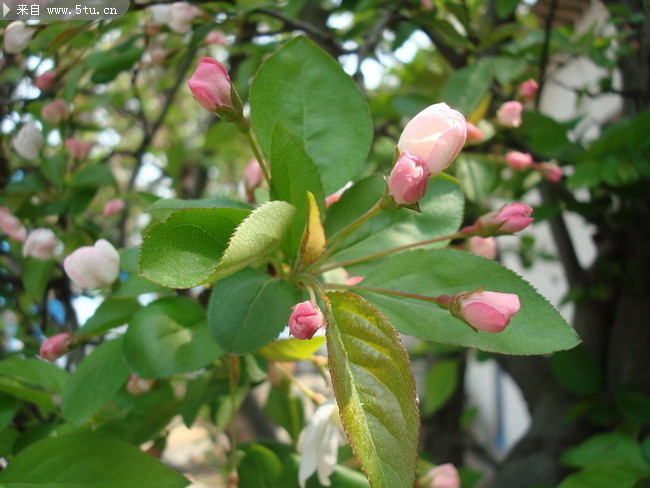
[[315, 397], [437, 300], [392, 250], [231, 364], [257, 153]]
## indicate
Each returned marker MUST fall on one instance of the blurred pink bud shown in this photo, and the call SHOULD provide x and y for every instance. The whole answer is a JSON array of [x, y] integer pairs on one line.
[[45, 81], [215, 37], [210, 85], [518, 160], [42, 244], [305, 320], [488, 311], [181, 16], [528, 89], [55, 111], [93, 266], [474, 134], [444, 476], [77, 149], [437, 135], [56, 346], [336, 196], [510, 218], [408, 180], [509, 114], [482, 246], [29, 141], [550, 171], [158, 56], [426, 5], [353, 280], [10, 225], [17, 37], [253, 175], [138, 386], [113, 207]]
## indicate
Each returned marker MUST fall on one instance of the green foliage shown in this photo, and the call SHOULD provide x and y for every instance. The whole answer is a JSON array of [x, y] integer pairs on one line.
[[332, 124], [577, 371], [374, 389], [440, 384], [110, 313]]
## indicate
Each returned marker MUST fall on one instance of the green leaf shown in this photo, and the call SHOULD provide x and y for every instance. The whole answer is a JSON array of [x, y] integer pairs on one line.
[[440, 383], [260, 468], [285, 409], [182, 251], [609, 446], [35, 372], [249, 310], [374, 389], [544, 136], [293, 174], [136, 285], [97, 378], [537, 328], [169, 336], [163, 208], [257, 236], [332, 124], [505, 8], [36, 275], [54, 168], [477, 178], [193, 398], [80, 460], [111, 63], [291, 349], [27, 393], [442, 211], [8, 407], [603, 475], [578, 371], [92, 177], [112, 312], [466, 87]]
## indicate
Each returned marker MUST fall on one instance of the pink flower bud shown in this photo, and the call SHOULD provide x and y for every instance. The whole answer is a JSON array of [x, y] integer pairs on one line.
[[518, 160], [253, 175], [353, 280], [437, 134], [488, 311], [210, 85], [528, 89], [408, 180], [482, 246], [93, 267], [444, 476], [78, 150], [29, 141], [113, 207], [336, 196], [510, 218], [509, 114], [42, 244], [45, 81], [550, 171], [55, 111], [138, 386], [181, 16], [305, 320], [474, 134], [215, 37], [17, 37], [11, 226], [56, 346]]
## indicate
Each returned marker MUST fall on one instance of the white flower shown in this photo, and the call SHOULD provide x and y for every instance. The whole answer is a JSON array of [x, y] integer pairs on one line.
[[29, 141], [17, 37], [320, 444]]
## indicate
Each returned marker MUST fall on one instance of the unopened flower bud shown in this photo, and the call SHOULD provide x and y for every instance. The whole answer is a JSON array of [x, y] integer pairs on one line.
[[93, 267], [215, 37], [211, 87], [55, 111], [17, 37], [444, 476], [113, 207], [528, 89], [408, 180], [29, 141], [42, 244], [474, 134], [518, 160], [253, 175], [510, 218], [138, 386], [482, 246], [437, 135], [181, 16], [336, 196], [56, 346], [10, 225], [45, 81], [305, 320], [509, 114], [550, 171], [77, 149], [488, 311]]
